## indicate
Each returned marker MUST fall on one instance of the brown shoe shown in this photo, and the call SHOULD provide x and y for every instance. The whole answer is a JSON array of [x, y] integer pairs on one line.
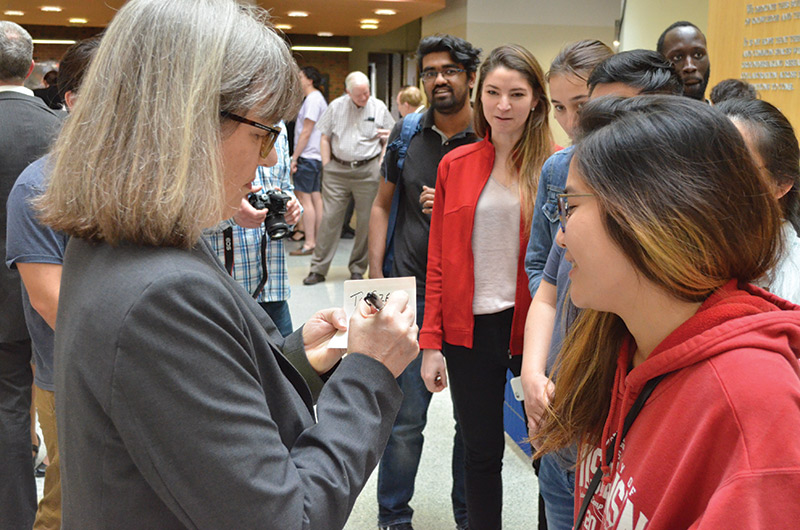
[[313, 278], [302, 251]]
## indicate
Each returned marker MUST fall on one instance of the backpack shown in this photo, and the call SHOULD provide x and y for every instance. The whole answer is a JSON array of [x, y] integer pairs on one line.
[[412, 124]]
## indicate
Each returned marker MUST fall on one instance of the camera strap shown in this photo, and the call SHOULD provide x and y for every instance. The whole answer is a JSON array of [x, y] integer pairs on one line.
[[227, 236]]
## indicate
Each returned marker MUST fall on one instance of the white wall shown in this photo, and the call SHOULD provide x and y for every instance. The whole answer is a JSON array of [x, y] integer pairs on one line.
[[646, 19]]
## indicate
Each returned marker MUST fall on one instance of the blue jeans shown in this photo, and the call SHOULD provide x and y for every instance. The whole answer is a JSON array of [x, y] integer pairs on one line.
[[557, 486], [279, 313], [400, 461]]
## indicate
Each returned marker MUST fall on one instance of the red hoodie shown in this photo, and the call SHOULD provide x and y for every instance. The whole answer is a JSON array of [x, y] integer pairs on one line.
[[717, 444]]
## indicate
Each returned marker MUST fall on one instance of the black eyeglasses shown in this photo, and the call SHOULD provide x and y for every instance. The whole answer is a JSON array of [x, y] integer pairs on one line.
[[563, 207], [268, 142], [447, 73]]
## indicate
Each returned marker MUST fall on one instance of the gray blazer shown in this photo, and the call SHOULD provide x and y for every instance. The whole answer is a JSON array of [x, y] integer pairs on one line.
[[180, 406], [27, 128]]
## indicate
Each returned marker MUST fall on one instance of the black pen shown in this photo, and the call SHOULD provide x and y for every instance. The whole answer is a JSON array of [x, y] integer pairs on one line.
[[372, 299]]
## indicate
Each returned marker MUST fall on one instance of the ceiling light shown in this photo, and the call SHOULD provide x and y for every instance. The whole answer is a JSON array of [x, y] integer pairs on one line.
[[344, 49], [78, 21], [369, 26], [324, 34], [385, 12], [283, 27], [13, 13], [51, 9], [297, 14], [369, 21], [616, 43], [53, 41]]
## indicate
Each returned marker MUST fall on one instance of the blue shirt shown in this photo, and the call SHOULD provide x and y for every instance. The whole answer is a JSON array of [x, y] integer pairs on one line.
[[544, 223], [247, 241], [28, 241]]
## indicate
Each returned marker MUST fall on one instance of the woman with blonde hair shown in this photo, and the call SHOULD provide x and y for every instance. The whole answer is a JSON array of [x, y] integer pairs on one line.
[[180, 405], [679, 379], [477, 296]]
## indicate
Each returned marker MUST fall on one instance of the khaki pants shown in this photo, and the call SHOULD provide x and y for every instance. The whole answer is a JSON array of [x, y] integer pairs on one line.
[[48, 516], [338, 182]]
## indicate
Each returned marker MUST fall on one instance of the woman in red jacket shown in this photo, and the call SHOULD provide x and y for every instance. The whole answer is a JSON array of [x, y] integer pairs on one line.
[[679, 379], [476, 292]]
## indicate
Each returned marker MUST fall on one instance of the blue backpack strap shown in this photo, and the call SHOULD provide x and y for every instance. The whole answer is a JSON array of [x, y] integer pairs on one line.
[[411, 125]]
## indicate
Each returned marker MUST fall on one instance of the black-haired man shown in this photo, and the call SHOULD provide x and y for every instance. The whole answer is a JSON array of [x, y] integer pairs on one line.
[[447, 67], [684, 45]]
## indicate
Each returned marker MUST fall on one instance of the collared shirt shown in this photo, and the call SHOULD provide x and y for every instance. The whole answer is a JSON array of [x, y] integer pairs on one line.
[[425, 151], [16, 88], [247, 241], [353, 130]]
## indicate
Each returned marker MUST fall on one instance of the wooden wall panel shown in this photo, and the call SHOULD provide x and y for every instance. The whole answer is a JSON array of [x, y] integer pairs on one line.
[[759, 42]]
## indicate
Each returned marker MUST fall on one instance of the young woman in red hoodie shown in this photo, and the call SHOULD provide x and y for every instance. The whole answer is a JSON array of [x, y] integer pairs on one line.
[[679, 379], [477, 295]]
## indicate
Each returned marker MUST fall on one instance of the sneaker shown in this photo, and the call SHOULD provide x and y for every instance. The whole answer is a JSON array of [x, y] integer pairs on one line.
[[398, 526], [313, 278]]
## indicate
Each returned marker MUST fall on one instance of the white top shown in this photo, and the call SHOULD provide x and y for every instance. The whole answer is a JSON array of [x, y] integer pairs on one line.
[[313, 107], [495, 248], [784, 279], [353, 130], [16, 88]]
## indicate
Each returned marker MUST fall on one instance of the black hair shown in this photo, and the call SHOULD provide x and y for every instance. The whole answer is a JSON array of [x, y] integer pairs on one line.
[[646, 70], [775, 142], [313, 75], [679, 24], [74, 64], [732, 88], [461, 51], [51, 78]]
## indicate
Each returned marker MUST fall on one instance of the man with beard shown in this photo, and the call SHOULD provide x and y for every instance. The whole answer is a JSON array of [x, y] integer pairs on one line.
[[447, 68], [684, 45]]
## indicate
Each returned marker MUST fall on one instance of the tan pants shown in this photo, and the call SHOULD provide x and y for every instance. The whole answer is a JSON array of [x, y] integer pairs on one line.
[[48, 516], [338, 183]]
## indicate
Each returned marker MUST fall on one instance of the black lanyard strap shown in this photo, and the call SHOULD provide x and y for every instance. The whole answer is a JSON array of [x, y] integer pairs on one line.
[[598, 475], [227, 236]]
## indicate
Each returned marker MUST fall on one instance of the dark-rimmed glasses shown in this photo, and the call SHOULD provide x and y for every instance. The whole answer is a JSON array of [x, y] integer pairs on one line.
[[563, 207], [448, 73], [268, 142]]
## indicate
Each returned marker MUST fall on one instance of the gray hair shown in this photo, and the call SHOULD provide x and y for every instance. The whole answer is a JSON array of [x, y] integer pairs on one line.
[[140, 158], [16, 52], [355, 79]]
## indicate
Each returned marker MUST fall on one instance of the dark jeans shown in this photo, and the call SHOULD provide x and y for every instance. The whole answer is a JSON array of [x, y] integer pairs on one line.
[[17, 484], [400, 461], [477, 384], [279, 313]]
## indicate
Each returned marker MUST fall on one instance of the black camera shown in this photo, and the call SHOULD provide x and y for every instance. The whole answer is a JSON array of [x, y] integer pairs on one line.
[[275, 202]]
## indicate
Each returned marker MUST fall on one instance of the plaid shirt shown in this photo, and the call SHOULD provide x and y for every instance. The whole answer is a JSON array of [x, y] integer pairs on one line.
[[247, 241]]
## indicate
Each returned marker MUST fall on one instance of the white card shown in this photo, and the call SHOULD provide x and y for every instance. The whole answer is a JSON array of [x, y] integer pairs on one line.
[[355, 290]]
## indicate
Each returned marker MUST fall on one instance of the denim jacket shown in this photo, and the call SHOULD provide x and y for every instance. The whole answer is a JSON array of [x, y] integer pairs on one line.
[[545, 215]]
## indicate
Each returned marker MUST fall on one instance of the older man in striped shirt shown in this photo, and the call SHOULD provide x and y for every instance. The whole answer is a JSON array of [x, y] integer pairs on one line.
[[354, 130]]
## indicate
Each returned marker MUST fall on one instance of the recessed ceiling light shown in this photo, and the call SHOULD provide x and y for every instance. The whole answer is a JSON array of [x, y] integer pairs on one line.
[[369, 21], [297, 14], [324, 34], [385, 12], [13, 13], [52, 9], [344, 49], [78, 21], [283, 26], [53, 41], [369, 26]]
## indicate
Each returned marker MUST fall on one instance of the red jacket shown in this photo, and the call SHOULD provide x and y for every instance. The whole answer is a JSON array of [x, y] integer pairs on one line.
[[450, 283], [717, 444]]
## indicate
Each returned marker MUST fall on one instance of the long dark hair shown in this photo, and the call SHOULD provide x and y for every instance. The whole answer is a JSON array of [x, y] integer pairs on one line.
[[682, 198], [775, 142]]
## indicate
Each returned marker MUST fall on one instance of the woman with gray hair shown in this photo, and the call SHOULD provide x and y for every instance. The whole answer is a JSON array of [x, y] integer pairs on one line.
[[155, 342]]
